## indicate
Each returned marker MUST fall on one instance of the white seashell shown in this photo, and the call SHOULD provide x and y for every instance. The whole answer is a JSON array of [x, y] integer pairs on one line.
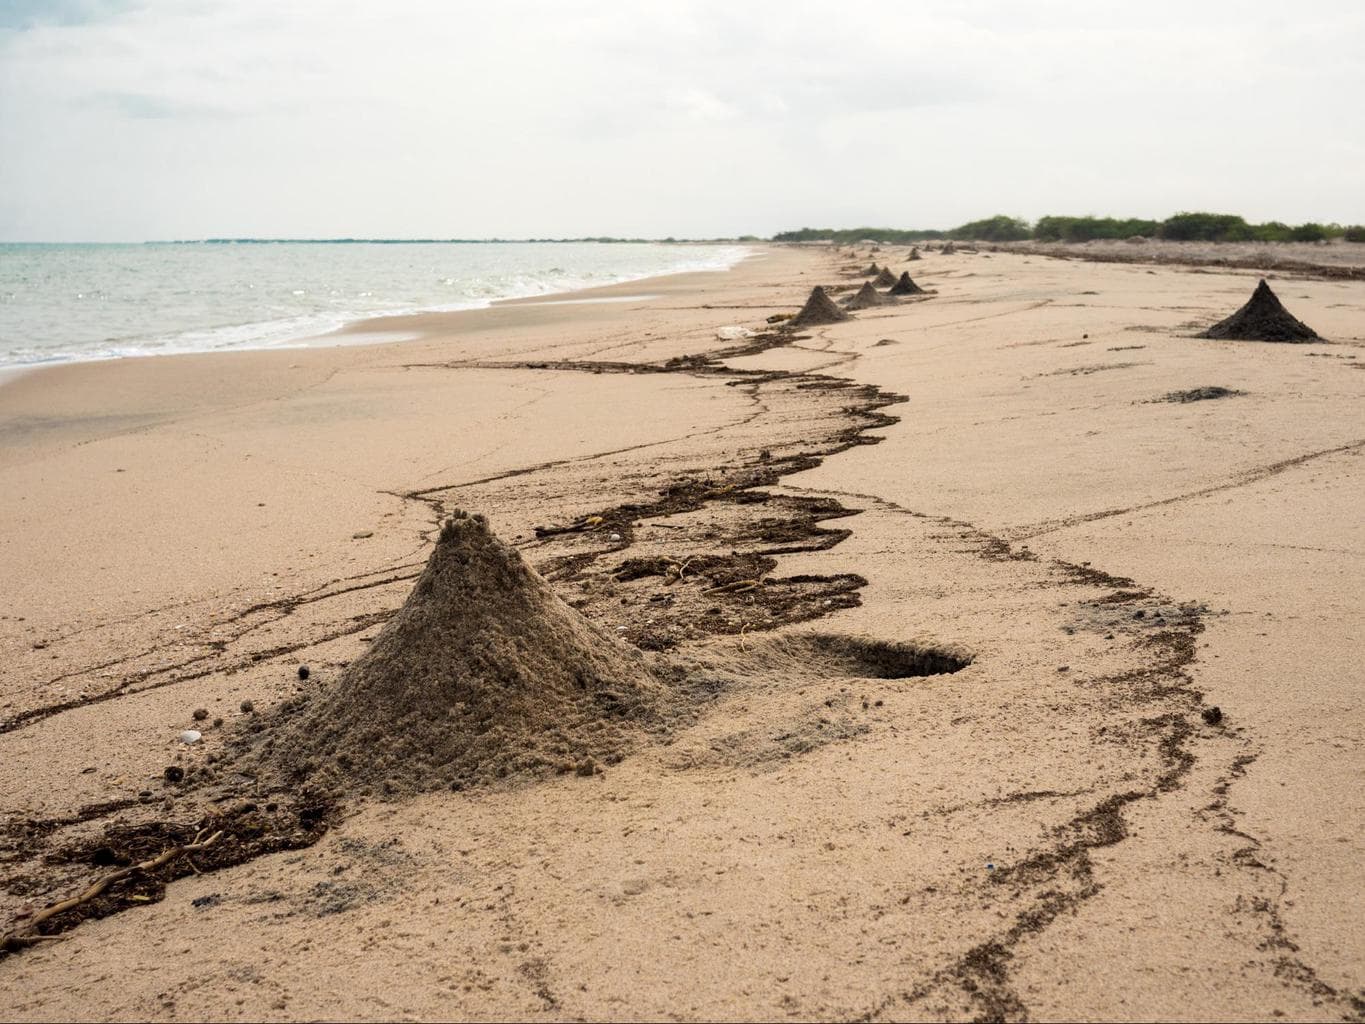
[[190, 736]]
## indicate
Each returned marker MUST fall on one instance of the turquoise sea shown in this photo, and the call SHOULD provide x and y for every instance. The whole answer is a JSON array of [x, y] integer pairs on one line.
[[60, 303]]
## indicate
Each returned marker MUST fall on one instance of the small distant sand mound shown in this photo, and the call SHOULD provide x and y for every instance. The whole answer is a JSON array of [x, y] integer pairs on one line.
[[949, 248], [885, 278], [905, 286], [914, 255], [1263, 318], [866, 298], [872, 270], [482, 673], [819, 309]]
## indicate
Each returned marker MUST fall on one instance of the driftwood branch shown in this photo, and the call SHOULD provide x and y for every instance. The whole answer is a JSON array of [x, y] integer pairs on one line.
[[18, 940]]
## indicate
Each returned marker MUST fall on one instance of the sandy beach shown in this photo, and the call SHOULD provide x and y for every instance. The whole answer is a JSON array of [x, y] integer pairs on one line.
[[963, 578]]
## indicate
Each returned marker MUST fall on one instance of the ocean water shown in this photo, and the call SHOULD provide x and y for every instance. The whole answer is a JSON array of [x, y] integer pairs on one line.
[[61, 303]]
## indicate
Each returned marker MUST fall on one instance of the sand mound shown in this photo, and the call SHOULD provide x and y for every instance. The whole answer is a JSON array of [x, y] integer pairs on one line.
[[1263, 318], [872, 270], [905, 286], [819, 309], [885, 278], [482, 673], [949, 248], [914, 255], [866, 298]]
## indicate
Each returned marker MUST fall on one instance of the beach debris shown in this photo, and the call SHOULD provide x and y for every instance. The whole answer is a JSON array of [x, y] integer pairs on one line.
[[483, 672], [200, 714], [905, 286], [914, 254], [866, 298], [578, 526], [777, 318], [1213, 715], [1200, 394], [885, 278], [733, 332], [304, 672], [30, 935], [1263, 318], [190, 737], [818, 310], [247, 707], [173, 774], [362, 535]]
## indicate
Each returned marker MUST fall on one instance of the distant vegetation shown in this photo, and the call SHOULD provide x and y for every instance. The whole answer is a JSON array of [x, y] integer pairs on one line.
[[1184, 227]]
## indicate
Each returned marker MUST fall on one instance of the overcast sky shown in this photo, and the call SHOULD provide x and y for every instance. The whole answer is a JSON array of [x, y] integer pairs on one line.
[[138, 119]]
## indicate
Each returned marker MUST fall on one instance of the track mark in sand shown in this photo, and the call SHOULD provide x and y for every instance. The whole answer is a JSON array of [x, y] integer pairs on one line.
[[1241, 480], [267, 613], [1087, 370], [1291, 970]]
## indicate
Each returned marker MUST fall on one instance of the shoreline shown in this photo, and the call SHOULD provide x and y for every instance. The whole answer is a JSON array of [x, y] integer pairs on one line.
[[356, 324]]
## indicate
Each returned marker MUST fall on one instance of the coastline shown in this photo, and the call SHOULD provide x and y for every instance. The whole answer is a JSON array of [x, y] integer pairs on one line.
[[1052, 829], [346, 325]]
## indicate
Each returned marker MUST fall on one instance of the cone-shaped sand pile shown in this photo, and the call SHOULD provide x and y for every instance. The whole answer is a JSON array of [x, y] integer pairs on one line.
[[885, 278], [872, 270], [914, 255], [905, 286], [483, 672], [1262, 319], [866, 298], [949, 248], [819, 309]]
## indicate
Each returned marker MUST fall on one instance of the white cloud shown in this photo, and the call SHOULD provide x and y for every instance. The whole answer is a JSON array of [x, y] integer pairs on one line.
[[186, 118]]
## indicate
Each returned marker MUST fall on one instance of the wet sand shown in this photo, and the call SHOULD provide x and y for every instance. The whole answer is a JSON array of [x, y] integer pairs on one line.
[[1051, 831]]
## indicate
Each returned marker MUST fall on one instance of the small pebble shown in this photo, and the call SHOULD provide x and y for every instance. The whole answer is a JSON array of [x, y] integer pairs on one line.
[[190, 736], [200, 714]]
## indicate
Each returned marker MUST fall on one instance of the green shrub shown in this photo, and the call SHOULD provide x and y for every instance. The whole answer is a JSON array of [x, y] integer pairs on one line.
[[1309, 232], [1354, 233], [999, 228], [1206, 227]]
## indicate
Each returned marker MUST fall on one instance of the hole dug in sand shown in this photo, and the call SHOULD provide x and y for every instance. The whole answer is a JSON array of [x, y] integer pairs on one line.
[[858, 657]]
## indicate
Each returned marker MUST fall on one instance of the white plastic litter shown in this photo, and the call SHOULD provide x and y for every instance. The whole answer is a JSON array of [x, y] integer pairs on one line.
[[190, 736], [733, 333]]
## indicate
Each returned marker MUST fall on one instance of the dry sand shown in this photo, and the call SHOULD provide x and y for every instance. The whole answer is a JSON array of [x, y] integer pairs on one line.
[[1052, 830]]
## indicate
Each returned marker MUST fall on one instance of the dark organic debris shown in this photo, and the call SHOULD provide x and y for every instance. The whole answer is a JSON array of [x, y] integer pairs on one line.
[[1213, 715], [1200, 394], [866, 298], [905, 286], [1263, 318], [818, 310]]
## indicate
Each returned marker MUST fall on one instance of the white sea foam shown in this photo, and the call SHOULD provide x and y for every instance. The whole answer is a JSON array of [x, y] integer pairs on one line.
[[62, 303]]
